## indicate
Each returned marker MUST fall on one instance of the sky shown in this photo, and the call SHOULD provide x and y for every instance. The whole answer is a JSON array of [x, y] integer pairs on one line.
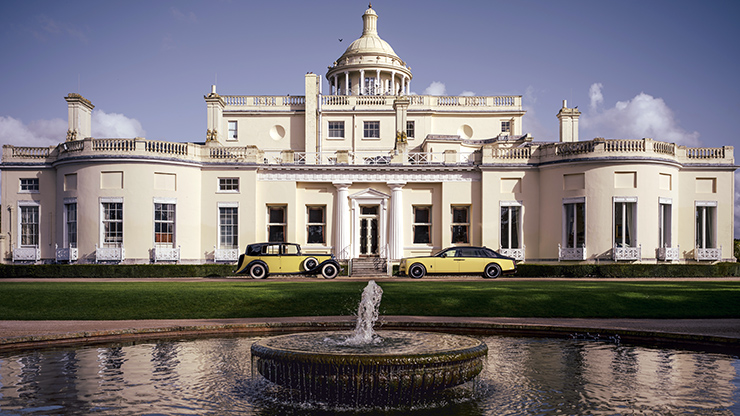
[[661, 69]]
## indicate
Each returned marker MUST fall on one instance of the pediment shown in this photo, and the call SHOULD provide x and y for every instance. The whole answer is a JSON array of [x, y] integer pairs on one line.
[[369, 193]]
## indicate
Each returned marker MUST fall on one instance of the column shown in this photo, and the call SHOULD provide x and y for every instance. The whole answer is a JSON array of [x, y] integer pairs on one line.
[[362, 82], [342, 225], [395, 229], [346, 83], [336, 84], [378, 84]]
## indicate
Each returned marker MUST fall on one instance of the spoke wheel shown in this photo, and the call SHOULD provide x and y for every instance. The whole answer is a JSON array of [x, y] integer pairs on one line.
[[258, 271], [417, 271], [492, 271]]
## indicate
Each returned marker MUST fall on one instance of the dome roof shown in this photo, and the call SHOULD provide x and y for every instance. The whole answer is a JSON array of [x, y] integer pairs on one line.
[[369, 42]]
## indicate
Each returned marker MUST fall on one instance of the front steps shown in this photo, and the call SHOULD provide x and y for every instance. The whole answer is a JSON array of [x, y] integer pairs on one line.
[[369, 267]]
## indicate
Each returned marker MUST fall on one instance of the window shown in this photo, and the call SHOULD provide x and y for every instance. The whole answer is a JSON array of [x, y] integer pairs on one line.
[[460, 225], [574, 231], [29, 221], [371, 129], [506, 127], [276, 224], [369, 86], [510, 225], [410, 130], [625, 229], [336, 129], [232, 131], [164, 225], [665, 217], [706, 223], [112, 224], [316, 225], [228, 184], [422, 225], [70, 225], [228, 227], [29, 185]]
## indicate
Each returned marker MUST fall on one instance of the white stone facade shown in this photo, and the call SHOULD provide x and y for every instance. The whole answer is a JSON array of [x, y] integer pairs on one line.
[[364, 170]]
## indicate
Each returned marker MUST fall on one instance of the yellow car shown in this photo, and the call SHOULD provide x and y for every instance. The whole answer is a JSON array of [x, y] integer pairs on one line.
[[463, 260], [261, 259]]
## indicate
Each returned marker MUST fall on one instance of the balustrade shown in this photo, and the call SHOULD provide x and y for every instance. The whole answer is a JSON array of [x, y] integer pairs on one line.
[[713, 254], [624, 145], [705, 152], [113, 145], [166, 147], [28, 152], [627, 253], [668, 253]]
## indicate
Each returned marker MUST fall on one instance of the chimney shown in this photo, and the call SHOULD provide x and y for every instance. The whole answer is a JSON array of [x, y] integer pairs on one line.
[[79, 114], [568, 123]]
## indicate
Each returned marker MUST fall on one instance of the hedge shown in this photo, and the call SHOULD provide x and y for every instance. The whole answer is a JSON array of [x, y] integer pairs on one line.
[[221, 270]]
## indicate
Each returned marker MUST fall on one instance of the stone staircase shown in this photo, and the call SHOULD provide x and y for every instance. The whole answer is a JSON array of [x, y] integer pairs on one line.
[[369, 266]]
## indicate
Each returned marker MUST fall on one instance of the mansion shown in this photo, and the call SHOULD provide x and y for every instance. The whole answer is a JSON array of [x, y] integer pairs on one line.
[[359, 167]]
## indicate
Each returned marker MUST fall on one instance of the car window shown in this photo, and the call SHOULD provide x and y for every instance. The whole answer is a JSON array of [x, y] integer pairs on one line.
[[468, 252], [271, 250], [254, 250], [292, 249]]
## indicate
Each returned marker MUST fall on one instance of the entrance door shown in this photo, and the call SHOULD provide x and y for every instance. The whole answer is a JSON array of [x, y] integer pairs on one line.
[[369, 230]]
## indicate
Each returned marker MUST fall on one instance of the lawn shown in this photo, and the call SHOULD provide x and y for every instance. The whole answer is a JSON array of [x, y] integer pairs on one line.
[[246, 298]]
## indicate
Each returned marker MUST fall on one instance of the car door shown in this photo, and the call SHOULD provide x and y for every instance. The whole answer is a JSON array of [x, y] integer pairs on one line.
[[290, 258], [469, 260], [448, 262]]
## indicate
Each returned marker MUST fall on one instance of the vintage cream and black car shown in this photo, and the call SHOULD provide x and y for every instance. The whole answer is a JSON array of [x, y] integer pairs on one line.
[[462, 260], [261, 259]]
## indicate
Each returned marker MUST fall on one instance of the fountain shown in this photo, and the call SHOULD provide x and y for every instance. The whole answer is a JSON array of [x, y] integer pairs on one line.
[[365, 366]]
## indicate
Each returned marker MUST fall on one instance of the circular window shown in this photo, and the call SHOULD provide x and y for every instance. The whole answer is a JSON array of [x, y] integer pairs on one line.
[[465, 131], [277, 132]]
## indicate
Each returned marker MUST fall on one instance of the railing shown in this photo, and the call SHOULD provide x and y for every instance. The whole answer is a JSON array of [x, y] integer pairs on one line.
[[668, 253], [166, 254], [117, 254], [714, 254], [264, 100], [627, 253], [115, 145], [370, 158], [665, 148], [571, 253], [66, 254], [32, 254], [166, 147], [705, 152], [513, 153], [624, 145], [225, 254], [231, 152], [574, 148], [515, 253], [512, 103], [26, 152]]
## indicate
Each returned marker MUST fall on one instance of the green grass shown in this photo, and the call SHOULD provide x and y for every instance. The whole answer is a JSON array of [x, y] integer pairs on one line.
[[242, 299]]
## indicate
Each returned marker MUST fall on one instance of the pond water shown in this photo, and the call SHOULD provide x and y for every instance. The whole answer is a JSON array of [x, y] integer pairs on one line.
[[522, 376]]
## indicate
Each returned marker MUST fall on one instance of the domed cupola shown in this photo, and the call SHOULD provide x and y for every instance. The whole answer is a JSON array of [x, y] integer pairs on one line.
[[369, 66]]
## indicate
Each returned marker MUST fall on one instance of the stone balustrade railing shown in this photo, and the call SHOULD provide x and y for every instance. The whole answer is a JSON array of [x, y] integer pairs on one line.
[[530, 153]]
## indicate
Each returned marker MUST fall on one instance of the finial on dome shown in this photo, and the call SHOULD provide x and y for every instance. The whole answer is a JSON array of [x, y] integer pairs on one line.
[[369, 5]]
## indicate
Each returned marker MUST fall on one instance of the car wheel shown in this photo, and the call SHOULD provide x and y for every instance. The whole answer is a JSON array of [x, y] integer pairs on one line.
[[258, 271], [417, 271], [329, 270], [310, 263], [492, 271]]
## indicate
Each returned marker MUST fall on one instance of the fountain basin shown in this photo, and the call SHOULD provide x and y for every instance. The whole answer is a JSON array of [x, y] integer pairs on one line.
[[397, 366]]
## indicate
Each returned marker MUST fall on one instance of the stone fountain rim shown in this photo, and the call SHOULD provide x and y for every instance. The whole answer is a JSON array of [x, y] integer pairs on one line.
[[476, 349]]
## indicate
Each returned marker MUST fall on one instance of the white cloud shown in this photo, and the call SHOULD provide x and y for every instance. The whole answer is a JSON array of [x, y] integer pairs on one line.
[[467, 93], [39, 133], [114, 125], [436, 88], [642, 116], [595, 93]]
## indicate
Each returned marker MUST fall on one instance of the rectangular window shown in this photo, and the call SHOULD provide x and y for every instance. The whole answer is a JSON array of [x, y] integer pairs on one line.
[[336, 129], [460, 225], [371, 130], [370, 88], [70, 224], [410, 129], [665, 218], [422, 225], [574, 232], [29, 185], [228, 184], [228, 227], [316, 225], [29, 218], [510, 226], [232, 131], [276, 224], [706, 224], [112, 224], [506, 127], [625, 226], [164, 225]]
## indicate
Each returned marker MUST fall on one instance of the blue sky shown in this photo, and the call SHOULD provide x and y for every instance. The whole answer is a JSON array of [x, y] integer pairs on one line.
[[661, 69]]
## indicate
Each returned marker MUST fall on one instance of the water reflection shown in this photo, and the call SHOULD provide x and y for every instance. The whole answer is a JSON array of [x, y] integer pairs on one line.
[[528, 376]]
